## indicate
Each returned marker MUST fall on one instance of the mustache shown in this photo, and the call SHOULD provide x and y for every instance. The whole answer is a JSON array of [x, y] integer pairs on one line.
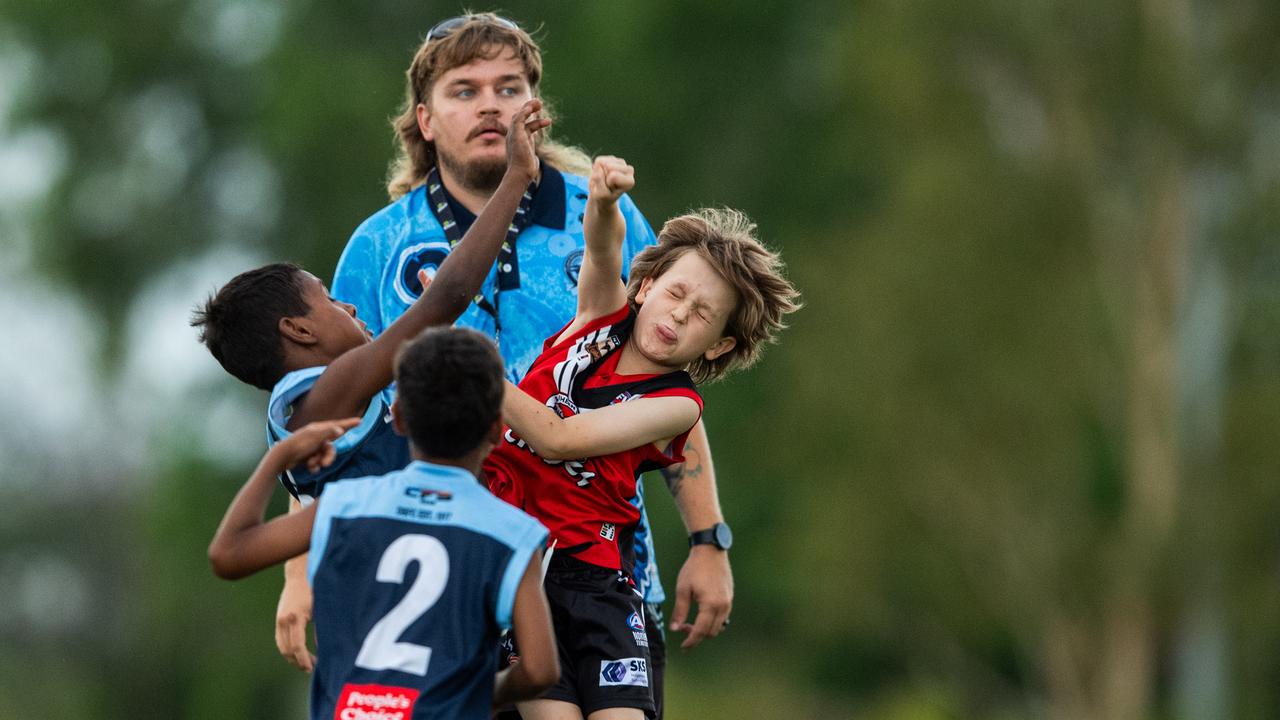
[[488, 126]]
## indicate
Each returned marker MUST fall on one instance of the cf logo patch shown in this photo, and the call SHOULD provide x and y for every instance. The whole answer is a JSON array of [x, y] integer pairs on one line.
[[427, 495], [415, 258]]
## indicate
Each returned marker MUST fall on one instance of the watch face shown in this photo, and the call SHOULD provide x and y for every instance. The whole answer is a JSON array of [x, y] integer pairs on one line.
[[724, 536]]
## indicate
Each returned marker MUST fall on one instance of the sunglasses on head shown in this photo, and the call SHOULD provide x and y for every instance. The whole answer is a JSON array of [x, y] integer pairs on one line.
[[445, 28]]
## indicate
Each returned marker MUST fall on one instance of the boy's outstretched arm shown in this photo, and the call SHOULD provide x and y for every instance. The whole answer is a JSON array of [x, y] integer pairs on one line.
[[539, 665], [347, 384], [606, 430], [243, 544], [600, 287]]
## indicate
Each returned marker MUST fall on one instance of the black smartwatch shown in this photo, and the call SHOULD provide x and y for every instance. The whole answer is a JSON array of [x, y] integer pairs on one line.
[[718, 535]]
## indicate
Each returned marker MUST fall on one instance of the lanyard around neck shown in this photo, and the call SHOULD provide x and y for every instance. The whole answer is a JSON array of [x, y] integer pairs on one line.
[[508, 264]]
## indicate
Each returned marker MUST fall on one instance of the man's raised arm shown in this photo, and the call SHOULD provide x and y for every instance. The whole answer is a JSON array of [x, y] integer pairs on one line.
[[705, 578]]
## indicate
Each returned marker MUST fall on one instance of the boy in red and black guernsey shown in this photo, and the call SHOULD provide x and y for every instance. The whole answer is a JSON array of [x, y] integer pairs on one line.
[[613, 395]]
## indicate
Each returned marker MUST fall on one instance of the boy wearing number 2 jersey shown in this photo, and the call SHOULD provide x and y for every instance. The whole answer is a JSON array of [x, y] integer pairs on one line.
[[417, 572]]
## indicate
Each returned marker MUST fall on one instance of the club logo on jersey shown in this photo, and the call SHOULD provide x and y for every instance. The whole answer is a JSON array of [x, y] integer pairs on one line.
[[412, 259], [427, 495], [573, 266], [563, 405], [627, 671], [607, 531], [375, 702], [636, 623]]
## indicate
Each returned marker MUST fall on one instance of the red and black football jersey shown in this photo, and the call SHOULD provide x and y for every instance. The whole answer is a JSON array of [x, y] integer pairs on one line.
[[586, 504]]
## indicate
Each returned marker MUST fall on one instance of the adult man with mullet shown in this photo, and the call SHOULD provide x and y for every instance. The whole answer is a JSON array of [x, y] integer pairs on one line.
[[468, 77]]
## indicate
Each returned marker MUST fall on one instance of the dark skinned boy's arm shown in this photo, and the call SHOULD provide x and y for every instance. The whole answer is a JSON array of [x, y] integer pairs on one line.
[[243, 543], [347, 384]]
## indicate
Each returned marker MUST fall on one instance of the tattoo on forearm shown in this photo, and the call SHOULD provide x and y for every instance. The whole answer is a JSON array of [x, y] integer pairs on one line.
[[674, 475], [690, 469]]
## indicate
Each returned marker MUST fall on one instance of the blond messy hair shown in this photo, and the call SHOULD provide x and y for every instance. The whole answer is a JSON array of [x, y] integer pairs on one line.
[[483, 36], [726, 239]]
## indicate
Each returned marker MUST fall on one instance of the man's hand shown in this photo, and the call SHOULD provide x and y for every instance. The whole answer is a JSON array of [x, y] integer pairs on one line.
[[707, 580], [610, 177], [313, 444], [521, 144], [293, 613]]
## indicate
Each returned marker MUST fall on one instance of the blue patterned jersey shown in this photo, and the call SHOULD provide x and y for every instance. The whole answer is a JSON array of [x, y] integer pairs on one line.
[[378, 270], [414, 576], [378, 274], [371, 448]]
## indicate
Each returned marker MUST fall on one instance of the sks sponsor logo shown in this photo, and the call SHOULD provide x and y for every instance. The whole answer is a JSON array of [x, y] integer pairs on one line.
[[627, 671], [375, 702], [427, 496]]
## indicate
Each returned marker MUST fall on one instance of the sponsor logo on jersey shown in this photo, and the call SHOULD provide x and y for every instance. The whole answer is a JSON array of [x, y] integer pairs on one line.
[[627, 671], [635, 621], [607, 531], [375, 702], [577, 469], [427, 495]]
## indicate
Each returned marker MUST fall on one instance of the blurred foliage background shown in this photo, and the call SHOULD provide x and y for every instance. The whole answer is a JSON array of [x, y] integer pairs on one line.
[[1017, 458]]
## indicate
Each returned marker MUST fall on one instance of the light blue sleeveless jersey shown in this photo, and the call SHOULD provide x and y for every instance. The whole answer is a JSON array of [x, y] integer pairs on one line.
[[414, 576], [380, 263], [371, 448]]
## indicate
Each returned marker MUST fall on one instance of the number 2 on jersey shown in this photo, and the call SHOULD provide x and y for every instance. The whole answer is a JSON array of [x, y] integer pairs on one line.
[[382, 649]]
